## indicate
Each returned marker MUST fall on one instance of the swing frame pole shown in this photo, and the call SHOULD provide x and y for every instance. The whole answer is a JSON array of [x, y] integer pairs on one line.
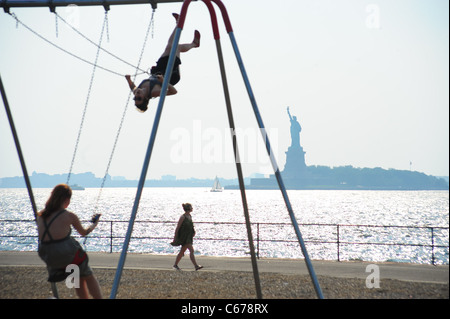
[[269, 148], [152, 141], [277, 170], [7, 4], [22, 164], [19, 149], [235, 148], [238, 167], [144, 171], [229, 29]]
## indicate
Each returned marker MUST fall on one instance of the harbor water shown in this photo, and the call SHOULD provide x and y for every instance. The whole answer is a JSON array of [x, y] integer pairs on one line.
[[336, 224]]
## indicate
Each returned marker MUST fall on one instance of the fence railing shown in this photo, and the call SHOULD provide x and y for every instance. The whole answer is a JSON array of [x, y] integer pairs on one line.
[[338, 235]]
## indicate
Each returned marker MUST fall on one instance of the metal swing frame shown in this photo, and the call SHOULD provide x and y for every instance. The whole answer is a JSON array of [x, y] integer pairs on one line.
[[151, 143], [33, 3]]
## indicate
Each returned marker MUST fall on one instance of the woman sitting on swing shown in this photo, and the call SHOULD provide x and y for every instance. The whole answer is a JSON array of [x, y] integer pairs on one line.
[[151, 88], [58, 249]]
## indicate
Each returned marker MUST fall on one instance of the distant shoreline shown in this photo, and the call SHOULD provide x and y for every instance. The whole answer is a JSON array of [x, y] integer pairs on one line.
[[316, 178]]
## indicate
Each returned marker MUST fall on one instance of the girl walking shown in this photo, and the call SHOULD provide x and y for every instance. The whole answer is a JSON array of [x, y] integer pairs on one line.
[[184, 235]]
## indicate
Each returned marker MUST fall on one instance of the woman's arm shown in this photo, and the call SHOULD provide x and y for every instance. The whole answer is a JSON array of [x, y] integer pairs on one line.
[[171, 90], [75, 222], [130, 83]]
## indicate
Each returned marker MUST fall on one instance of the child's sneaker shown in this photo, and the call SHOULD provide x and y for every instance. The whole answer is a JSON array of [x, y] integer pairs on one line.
[[176, 267]]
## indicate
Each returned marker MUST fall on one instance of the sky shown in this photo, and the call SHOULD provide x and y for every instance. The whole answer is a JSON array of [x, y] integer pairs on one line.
[[367, 80]]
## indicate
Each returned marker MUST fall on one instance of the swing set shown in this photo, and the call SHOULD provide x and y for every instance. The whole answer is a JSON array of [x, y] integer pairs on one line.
[[52, 4]]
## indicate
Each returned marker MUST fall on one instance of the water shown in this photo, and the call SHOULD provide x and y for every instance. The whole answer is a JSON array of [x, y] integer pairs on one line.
[[327, 208]]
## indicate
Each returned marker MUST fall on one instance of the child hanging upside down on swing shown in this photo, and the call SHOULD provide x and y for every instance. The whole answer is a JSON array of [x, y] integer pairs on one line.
[[151, 88]]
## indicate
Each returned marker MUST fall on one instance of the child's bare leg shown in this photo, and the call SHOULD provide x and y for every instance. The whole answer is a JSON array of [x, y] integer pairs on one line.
[[180, 255], [194, 44], [94, 287], [185, 47], [181, 47], [191, 254], [172, 36], [169, 45], [88, 285], [82, 291]]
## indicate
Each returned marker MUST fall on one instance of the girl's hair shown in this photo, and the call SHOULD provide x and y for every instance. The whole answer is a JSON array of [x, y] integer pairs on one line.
[[187, 207], [143, 106], [59, 195]]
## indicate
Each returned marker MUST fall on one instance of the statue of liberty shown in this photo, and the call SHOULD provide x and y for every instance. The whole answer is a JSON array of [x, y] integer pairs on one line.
[[295, 130]]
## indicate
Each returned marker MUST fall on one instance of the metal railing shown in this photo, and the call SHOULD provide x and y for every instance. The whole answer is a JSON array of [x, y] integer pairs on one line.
[[338, 235]]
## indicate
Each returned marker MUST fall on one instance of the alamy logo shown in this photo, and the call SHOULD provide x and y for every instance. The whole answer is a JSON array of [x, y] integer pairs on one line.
[[373, 17], [73, 280], [213, 145], [73, 15], [373, 279]]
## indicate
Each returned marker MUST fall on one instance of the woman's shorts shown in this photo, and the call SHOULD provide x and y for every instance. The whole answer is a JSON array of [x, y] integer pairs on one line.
[[161, 66], [58, 255]]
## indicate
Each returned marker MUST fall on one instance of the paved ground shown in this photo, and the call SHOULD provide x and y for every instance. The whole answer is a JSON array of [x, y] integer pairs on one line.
[[400, 271]]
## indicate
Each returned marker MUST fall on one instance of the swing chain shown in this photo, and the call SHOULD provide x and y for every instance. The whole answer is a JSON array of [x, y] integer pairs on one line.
[[107, 24], [56, 23], [95, 44], [152, 22], [14, 16], [87, 100], [150, 27]]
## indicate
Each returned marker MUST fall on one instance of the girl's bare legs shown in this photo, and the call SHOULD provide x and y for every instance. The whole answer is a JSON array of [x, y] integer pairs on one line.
[[191, 255], [187, 46], [94, 287], [88, 285], [180, 255], [181, 47], [82, 291]]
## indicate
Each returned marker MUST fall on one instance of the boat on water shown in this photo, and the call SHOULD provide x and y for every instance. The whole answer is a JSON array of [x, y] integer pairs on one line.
[[77, 187], [216, 187]]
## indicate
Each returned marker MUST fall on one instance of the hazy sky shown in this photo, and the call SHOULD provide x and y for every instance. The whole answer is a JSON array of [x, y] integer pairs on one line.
[[368, 81]]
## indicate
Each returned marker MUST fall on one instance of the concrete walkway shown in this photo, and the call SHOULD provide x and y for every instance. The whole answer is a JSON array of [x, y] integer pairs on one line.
[[400, 271]]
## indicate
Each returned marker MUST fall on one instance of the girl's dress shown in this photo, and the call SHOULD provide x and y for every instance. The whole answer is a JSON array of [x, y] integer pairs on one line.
[[185, 234]]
